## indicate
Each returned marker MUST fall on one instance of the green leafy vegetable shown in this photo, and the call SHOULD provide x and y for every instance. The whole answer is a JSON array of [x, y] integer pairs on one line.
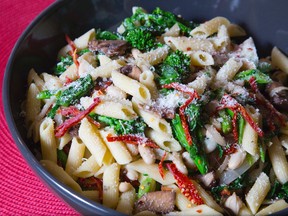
[[157, 21], [175, 68], [75, 91], [64, 63], [261, 78], [45, 94], [237, 184], [105, 35], [134, 126], [147, 184], [278, 191], [226, 123], [194, 150], [264, 67], [62, 158], [241, 124], [141, 39], [193, 112], [72, 94], [81, 52]]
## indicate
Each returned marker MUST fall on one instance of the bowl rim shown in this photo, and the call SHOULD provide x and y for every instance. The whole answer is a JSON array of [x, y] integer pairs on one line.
[[68, 195]]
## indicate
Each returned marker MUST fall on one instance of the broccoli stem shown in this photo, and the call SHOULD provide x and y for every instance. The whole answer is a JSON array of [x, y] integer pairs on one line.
[[199, 159], [226, 123], [147, 184], [75, 91], [241, 124]]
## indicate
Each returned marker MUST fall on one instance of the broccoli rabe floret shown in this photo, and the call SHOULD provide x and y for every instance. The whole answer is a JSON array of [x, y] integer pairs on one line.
[[194, 150], [121, 127], [157, 21], [75, 91], [72, 94], [106, 35], [141, 39], [64, 63], [175, 68], [261, 78]]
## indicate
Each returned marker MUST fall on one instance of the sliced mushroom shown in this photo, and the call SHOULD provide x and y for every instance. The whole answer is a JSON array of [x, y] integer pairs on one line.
[[158, 202], [109, 47], [278, 98], [133, 72]]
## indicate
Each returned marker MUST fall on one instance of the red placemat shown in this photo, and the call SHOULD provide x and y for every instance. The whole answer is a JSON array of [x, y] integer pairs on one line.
[[21, 192]]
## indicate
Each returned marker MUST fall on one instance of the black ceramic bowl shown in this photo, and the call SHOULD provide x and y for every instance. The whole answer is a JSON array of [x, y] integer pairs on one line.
[[265, 20]]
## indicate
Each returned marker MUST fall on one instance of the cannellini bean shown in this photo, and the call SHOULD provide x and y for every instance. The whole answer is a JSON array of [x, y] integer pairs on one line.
[[236, 159], [188, 161], [177, 160], [124, 187], [234, 203], [147, 154], [132, 174]]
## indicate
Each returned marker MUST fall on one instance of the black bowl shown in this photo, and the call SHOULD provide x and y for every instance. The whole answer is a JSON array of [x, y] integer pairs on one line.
[[264, 20]]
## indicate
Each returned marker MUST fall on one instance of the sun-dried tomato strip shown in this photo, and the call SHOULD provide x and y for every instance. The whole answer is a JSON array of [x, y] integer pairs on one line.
[[73, 111], [132, 139], [73, 53], [231, 103], [182, 88], [186, 186], [63, 128], [234, 124], [261, 99], [103, 86], [231, 149], [160, 165], [192, 95], [92, 183], [69, 111]]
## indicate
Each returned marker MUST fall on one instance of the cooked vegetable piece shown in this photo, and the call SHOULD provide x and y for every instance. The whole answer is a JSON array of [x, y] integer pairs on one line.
[[141, 39], [157, 21], [226, 123], [62, 158], [146, 185], [175, 68], [198, 158], [186, 185], [121, 127], [105, 35], [45, 94], [261, 78], [75, 91], [64, 63]]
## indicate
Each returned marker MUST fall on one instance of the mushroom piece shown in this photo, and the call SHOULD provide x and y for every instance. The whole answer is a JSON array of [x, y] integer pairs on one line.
[[158, 202], [109, 47], [133, 72], [278, 95]]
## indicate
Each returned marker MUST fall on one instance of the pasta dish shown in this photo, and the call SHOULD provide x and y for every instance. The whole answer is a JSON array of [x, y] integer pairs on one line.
[[165, 116]]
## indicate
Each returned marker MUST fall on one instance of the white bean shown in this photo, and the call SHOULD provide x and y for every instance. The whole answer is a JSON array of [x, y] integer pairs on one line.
[[124, 187], [132, 174]]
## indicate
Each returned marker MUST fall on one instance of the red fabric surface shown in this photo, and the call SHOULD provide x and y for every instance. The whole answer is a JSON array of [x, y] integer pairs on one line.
[[21, 192]]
